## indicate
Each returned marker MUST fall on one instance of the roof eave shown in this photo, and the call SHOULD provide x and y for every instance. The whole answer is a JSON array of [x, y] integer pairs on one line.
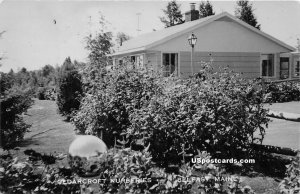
[[128, 51]]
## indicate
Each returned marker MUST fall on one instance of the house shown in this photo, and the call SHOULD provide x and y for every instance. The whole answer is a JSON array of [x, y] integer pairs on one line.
[[222, 39]]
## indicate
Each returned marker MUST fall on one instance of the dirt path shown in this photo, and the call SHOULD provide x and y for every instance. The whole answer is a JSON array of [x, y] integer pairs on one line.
[[49, 132]]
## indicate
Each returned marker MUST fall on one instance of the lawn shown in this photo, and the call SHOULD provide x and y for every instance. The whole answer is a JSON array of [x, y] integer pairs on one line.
[[290, 107], [283, 133], [49, 132]]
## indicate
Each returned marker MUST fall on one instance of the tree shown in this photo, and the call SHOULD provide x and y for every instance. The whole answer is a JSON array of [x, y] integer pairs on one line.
[[47, 70], [173, 15], [14, 101], [121, 37], [99, 47], [69, 89], [205, 9], [244, 11]]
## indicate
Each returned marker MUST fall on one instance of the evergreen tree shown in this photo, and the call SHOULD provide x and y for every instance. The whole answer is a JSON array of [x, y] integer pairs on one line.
[[173, 15], [121, 37], [205, 9], [244, 11], [69, 89]]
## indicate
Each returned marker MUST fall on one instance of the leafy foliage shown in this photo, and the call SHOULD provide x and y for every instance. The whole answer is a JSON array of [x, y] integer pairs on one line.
[[128, 171], [216, 112], [120, 171], [122, 37], [46, 93], [99, 47], [39, 81], [112, 97], [173, 15], [244, 12], [69, 89], [283, 92], [291, 183], [205, 9], [13, 103], [37, 174]]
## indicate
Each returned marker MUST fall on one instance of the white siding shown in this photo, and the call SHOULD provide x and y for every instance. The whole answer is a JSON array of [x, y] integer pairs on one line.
[[223, 36], [246, 63]]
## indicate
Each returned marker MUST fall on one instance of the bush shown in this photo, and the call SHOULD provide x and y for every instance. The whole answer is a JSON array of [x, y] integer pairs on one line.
[[46, 93], [283, 92], [216, 112], [41, 93], [111, 99], [120, 171], [13, 104], [291, 183], [36, 175], [69, 89]]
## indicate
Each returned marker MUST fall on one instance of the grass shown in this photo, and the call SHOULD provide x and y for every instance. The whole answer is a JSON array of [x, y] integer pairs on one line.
[[290, 107], [49, 133], [283, 133]]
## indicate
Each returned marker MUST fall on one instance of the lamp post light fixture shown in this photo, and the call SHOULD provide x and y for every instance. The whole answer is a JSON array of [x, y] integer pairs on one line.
[[192, 41]]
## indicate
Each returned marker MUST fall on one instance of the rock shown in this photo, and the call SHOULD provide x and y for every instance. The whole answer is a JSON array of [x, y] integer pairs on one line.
[[87, 146], [85, 154]]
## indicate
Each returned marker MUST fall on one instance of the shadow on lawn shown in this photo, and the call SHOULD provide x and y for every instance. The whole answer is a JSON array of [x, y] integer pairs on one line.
[[269, 161], [29, 142]]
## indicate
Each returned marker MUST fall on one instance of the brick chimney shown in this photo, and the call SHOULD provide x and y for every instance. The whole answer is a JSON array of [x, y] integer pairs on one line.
[[192, 15]]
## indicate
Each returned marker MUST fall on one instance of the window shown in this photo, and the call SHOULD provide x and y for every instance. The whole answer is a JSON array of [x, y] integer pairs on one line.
[[284, 67], [170, 63], [267, 65], [132, 59], [137, 61], [120, 62], [297, 68]]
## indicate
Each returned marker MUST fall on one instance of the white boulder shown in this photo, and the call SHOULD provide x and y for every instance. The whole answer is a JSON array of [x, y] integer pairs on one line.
[[87, 146]]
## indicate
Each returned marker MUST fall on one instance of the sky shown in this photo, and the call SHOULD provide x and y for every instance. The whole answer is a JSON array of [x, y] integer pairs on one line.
[[38, 33]]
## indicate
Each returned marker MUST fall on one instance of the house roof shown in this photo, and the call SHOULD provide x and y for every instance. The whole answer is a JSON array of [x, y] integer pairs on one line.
[[148, 40]]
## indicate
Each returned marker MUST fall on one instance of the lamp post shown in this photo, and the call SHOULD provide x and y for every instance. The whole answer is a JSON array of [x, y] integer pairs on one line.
[[192, 41]]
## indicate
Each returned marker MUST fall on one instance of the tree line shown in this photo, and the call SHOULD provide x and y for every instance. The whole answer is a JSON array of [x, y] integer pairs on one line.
[[243, 11]]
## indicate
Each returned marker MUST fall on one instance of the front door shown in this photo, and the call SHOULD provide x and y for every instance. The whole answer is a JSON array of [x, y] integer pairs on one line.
[[284, 67]]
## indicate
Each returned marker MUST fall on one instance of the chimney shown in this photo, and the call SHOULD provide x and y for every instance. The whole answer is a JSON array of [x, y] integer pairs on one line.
[[193, 14]]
